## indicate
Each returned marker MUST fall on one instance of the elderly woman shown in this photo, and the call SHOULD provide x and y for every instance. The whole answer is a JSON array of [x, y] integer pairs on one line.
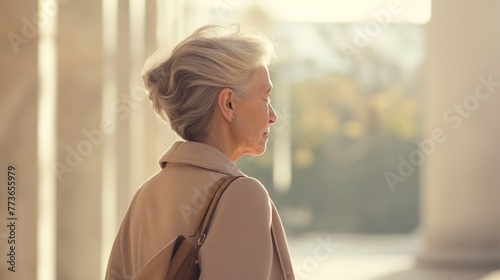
[[214, 90]]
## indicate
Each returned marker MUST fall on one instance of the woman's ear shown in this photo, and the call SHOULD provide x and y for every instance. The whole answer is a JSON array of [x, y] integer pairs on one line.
[[225, 103]]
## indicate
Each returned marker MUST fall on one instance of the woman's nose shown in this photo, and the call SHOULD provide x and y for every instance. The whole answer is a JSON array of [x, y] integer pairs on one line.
[[273, 118]]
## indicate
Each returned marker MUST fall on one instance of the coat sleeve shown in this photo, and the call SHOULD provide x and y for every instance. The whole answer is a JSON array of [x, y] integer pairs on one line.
[[239, 243], [119, 267]]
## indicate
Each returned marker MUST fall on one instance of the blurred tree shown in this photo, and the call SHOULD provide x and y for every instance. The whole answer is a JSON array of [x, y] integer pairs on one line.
[[352, 120]]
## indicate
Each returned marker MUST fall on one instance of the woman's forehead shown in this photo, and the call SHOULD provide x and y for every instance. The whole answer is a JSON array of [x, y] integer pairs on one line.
[[261, 80]]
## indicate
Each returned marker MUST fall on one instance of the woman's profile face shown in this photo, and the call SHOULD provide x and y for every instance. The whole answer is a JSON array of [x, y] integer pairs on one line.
[[254, 114]]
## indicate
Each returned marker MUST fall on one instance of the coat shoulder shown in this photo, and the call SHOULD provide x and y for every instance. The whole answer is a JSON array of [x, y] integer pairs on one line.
[[249, 188], [248, 197]]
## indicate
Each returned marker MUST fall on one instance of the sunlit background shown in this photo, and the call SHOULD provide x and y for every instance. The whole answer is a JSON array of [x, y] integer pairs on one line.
[[384, 157]]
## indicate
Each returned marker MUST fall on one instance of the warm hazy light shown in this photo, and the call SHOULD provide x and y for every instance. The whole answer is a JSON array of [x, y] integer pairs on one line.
[[282, 163], [109, 165], [344, 11], [46, 144], [137, 29]]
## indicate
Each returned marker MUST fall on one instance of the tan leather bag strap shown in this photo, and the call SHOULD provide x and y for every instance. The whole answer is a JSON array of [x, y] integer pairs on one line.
[[206, 205], [213, 205], [209, 201]]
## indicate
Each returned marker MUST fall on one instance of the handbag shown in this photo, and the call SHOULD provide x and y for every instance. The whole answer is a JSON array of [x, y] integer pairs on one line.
[[178, 260]]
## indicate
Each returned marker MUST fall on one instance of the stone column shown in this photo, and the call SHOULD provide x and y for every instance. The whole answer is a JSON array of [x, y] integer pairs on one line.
[[80, 137], [18, 133], [460, 216]]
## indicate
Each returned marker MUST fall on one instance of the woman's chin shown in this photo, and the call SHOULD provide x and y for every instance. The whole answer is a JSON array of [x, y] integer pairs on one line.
[[258, 151]]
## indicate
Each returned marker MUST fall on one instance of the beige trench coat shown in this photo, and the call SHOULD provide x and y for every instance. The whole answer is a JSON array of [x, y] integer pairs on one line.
[[246, 239]]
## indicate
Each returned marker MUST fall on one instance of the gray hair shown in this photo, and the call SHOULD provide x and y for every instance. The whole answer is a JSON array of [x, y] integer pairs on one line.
[[184, 87]]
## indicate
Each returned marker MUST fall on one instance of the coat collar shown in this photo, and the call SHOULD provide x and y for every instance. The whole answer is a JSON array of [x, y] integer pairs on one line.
[[199, 154]]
